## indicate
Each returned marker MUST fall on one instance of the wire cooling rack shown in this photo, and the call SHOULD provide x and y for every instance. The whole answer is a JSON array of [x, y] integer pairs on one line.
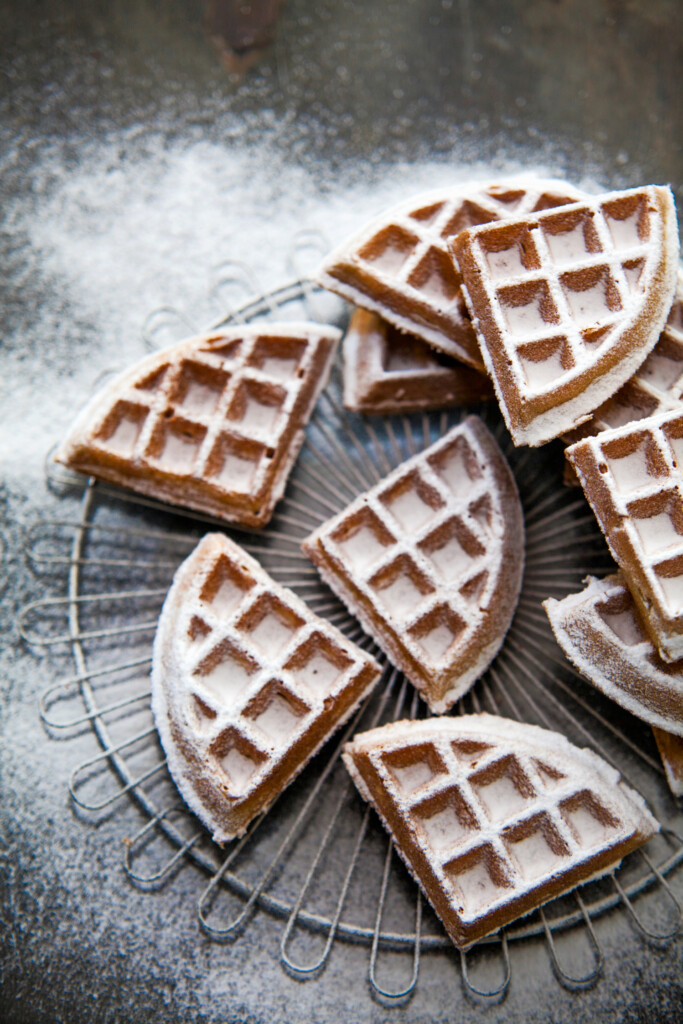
[[319, 860]]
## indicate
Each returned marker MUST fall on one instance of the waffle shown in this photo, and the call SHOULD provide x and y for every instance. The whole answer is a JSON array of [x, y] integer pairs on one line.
[[601, 632], [671, 752], [430, 561], [633, 480], [399, 266], [247, 684], [493, 817], [568, 303], [214, 423], [655, 387], [386, 371]]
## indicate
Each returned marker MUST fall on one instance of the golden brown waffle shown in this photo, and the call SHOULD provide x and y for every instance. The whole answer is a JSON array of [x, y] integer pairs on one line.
[[386, 371], [399, 265], [493, 817], [671, 752], [601, 632], [214, 423], [568, 303], [633, 480], [247, 684], [655, 387], [430, 561]]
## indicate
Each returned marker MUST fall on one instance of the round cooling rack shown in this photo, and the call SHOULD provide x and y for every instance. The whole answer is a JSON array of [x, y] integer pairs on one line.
[[319, 860]]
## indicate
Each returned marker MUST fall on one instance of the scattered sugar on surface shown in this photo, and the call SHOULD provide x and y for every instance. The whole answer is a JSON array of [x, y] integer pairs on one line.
[[144, 220]]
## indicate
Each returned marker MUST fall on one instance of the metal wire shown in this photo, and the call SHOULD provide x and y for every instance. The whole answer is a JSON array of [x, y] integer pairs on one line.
[[343, 454]]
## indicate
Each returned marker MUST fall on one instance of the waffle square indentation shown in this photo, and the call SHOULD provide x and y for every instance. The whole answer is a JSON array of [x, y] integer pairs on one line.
[[415, 766]]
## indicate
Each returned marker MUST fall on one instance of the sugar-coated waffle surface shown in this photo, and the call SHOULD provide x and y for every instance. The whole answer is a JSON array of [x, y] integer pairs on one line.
[[399, 265], [430, 560], [671, 752], [494, 817], [387, 371], [247, 684], [601, 632], [655, 387], [568, 303], [214, 423], [633, 479]]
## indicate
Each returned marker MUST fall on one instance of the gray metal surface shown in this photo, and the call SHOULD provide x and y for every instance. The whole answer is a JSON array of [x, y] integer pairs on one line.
[[132, 166]]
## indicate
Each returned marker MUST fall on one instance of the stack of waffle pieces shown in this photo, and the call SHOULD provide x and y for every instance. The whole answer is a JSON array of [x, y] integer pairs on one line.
[[561, 304]]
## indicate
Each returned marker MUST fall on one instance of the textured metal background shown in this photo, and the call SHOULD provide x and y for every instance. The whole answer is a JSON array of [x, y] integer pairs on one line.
[[131, 166]]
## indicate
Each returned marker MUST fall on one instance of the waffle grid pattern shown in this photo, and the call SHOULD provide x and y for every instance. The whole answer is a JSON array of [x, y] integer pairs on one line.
[[560, 284], [257, 668], [223, 412], [633, 481], [497, 816], [423, 553], [404, 258]]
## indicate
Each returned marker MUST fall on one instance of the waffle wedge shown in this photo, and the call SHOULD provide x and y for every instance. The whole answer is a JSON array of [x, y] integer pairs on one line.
[[430, 560], [214, 423], [568, 303], [601, 632], [633, 479], [493, 817], [399, 265], [386, 371], [247, 684]]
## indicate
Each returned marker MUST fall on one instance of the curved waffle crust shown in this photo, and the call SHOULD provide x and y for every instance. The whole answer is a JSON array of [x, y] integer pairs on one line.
[[568, 303], [399, 265], [430, 561], [493, 817], [386, 371], [214, 423], [601, 632], [247, 684]]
